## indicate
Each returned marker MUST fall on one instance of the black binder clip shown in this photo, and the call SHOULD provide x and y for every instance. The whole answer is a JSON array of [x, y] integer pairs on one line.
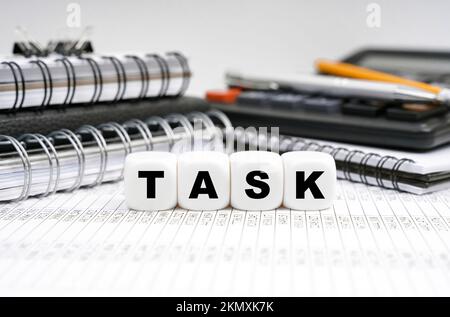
[[27, 46], [64, 48], [29, 49], [71, 48]]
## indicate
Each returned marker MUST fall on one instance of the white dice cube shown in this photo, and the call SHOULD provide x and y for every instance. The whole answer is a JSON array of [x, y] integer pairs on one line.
[[309, 180], [203, 180], [256, 180], [151, 180]]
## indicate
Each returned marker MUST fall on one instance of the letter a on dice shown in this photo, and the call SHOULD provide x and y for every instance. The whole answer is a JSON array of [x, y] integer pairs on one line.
[[203, 180]]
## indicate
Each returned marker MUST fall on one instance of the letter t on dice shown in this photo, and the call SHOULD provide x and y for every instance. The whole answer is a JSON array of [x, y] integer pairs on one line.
[[151, 180], [309, 180]]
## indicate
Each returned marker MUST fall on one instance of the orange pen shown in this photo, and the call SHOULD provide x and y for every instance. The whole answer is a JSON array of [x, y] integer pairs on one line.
[[352, 71]]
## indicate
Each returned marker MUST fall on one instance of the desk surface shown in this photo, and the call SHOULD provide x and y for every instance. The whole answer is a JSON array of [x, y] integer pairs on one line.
[[373, 242]]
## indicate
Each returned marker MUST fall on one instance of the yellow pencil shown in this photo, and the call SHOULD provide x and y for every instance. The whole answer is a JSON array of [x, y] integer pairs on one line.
[[349, 70]]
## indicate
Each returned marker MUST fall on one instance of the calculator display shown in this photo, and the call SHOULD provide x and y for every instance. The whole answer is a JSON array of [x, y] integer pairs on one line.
[[407, 64], [427, 66]]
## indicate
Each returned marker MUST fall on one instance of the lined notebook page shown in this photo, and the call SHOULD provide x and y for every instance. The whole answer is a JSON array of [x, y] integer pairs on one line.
[[373, 242]]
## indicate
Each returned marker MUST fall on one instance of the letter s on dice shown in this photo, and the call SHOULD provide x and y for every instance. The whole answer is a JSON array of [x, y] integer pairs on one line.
[[249, 180]]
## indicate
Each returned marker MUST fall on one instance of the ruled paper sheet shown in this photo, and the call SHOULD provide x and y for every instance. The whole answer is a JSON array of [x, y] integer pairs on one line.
[[372, 242]]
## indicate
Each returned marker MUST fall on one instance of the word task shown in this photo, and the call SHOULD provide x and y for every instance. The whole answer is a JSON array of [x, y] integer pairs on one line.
[[248, 180]]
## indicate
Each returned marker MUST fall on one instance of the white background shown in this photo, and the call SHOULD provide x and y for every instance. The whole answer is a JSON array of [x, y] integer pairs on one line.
[[282, 35]]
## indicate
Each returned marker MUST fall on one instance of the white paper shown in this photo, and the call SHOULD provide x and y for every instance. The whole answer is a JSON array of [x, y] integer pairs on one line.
[[372, 242]]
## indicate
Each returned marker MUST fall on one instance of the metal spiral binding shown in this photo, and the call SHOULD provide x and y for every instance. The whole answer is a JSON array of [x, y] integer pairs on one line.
[[121, 77], [124, 77], [55, 157], [298, 144], [46, 143], [325, 146], [335, 153], [78, 147], [187, 126], [286, 144], [209, 125], [381, 161], [310, 145], [71, 79], [363, 164], [186, 71], [50, 81], [222, 118], [167, 66], [44, 78], [165, 126], [16, 83], [27, 174], [12, 66], [145, 76], [379, 167], [144, 131], [347, 162], [213, 132], [52, 155], [101, 142], [395, 170], [98, 78], [185, 123], [46, 75], [123, 136], [226, 124], [165, 74]]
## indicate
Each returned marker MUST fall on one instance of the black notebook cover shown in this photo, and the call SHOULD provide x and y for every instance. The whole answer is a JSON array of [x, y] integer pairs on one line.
[[73, 116]]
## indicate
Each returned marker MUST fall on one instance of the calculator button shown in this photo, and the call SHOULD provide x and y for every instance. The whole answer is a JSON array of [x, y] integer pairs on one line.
[[322, 104], [287, 101], [364, 108], [228, 96], [415, 111], [254, 98]]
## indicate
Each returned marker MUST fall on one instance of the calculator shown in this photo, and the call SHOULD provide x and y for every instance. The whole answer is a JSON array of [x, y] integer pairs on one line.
[[421, 65], [406, 126]]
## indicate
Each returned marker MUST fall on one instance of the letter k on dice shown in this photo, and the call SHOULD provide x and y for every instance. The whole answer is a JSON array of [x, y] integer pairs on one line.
[[250, 180]]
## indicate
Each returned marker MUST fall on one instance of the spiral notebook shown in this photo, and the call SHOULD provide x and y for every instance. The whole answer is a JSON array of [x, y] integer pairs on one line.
[[90, 78], [416, 173], [34, 164]]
